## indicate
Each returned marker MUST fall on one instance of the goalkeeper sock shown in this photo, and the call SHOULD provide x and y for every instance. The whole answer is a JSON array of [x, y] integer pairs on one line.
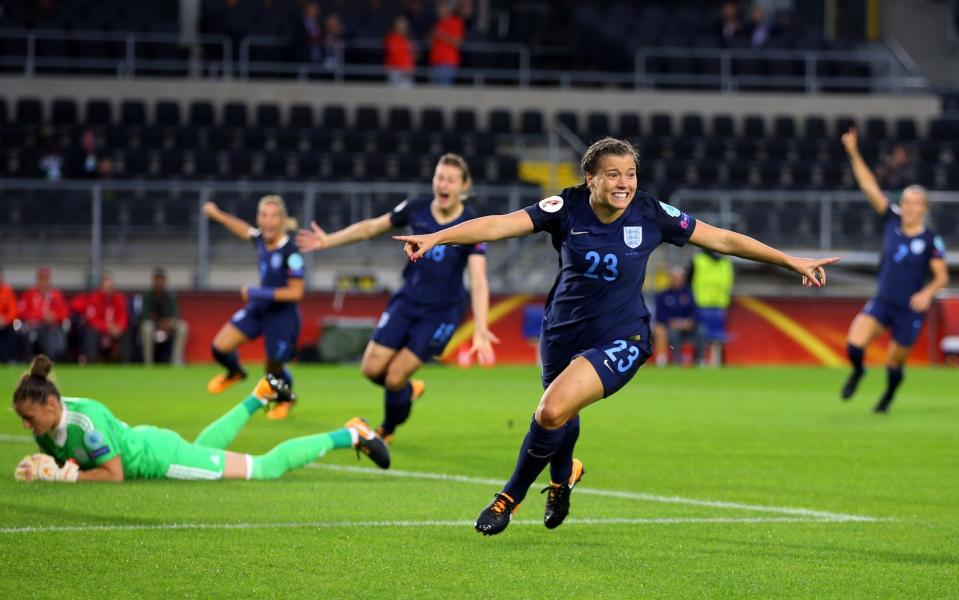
[[398, 405], [220, 433], [561, 464], [539, 446], [298, 452]]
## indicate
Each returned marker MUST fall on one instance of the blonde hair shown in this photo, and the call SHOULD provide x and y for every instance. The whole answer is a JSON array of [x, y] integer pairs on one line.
[[289, 223], [922, 191]]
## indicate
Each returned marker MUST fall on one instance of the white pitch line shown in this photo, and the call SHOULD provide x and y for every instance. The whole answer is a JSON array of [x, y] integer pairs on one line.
[[384, 524], [783, 510], [26, 439]]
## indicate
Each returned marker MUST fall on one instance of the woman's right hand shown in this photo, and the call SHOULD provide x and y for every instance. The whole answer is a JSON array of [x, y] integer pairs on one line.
[[417, 245], [308, 240], [210, 209], [850, 141]]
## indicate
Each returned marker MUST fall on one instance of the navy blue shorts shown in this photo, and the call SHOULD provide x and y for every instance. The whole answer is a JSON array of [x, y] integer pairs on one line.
[[615, 361], [279, 326], [903, 323], [423, 330]]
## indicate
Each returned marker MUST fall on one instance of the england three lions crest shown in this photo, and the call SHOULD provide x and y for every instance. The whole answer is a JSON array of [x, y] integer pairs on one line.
[[633, 236]]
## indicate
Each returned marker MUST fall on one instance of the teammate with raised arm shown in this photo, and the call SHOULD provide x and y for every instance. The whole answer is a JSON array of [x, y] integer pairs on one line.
[[271, 308], [422, 315], [596, 327], [912, 269]]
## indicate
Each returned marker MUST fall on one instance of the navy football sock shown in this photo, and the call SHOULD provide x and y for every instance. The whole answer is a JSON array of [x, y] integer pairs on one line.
[[397, 408], [230, 360], [561, 465], [286, 376], [538, 447], [893, 379], [855, 358]]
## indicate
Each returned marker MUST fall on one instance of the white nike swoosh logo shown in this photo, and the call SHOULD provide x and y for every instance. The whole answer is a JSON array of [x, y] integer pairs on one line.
[[574, 232], [606, 362]]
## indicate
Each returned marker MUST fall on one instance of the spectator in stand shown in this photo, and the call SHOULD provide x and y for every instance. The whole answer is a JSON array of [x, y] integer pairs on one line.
[[8, 314], [44, 315], [400, 58], [87, 161], [160, 321], [676, 321], [445, 41], [107, 320], [51, 159], [898, 170], [332, 42], [759, 29], [306, 39], [730, 26]]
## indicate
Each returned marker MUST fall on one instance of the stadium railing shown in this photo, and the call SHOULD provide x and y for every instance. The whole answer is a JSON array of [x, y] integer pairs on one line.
[[129, 54]]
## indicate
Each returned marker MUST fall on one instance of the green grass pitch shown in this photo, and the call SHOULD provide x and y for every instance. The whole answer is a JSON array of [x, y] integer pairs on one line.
[[874, 499]]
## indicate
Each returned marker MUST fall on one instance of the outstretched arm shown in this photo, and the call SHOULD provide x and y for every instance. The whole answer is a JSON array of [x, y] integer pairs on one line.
[[922, 300], [112, 470], [474, 231], [235, 225], [728, 242], [864, 177], [483, 338], [317, 239]]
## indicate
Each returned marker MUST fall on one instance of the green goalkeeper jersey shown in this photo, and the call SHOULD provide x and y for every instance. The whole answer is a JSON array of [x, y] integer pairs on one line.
[[91, 435]]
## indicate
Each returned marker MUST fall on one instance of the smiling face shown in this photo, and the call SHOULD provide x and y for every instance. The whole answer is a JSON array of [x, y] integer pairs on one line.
[[39, 418], [270, 220], [449, 186], [913, 206], [613, 185]]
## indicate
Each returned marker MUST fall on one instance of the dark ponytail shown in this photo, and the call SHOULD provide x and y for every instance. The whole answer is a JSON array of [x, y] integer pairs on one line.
[[35, 385]]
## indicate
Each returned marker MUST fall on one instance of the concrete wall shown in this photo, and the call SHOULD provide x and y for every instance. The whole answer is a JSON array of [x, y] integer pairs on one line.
[[318, 94]]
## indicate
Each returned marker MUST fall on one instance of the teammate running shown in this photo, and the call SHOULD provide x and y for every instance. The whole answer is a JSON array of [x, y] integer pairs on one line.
[[81, 440], [911, 252], [422, 315], [596, 328], [271, 309]]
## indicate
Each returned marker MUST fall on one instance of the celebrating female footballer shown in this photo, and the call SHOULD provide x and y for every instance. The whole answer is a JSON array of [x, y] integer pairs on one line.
[[271, 309], [911, 251], [81, 440], [596, 328], [423, 314]]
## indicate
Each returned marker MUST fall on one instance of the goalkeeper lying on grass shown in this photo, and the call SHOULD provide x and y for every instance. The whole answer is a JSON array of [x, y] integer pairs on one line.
[[81, 440]]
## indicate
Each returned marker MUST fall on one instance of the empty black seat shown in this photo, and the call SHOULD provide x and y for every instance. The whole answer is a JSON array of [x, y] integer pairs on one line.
[[432, 119], [723, 126], [98, 113], [400, 119], [235, 114], [629, 125], [464, 120], [597, 126], [943, 129], [815, 127], [568, 119], [367, 118], [167, 113], [241, 164], [784, 127], [4, 117], [531, 122], [453, 142], [334, 117], [170, 163], [187, 138], [906, 130], [843, 124], [63, 112], [274, 165], [205, 164], [133, 113], [500, 121], [876, 129], [201, 113], [136, 163], [29, 111], [301, 116], [661, 125], [354, 141], [754, 126], [692, 126], [268, 115]]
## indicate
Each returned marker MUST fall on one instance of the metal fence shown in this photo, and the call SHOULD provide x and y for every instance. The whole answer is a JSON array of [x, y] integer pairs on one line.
[[130, 54]]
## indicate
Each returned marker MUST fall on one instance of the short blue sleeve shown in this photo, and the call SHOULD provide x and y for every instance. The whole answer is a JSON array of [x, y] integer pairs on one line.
[[549, 214], [675, 225], [400, 217]]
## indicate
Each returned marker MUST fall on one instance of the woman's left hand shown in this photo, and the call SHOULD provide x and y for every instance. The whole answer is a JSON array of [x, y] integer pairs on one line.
[[811, 269], [416, 245], [483, 340]]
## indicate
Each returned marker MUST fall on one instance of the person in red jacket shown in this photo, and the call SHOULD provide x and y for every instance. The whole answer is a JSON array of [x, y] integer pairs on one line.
[[400, 58], [8, 313], [106, 320], [44, 314], [445, 41]]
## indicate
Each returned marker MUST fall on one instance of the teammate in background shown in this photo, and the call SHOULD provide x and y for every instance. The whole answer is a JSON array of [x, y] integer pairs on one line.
[[911, 252], [596, 331], [81, 440], [423, 314], [271, 309]]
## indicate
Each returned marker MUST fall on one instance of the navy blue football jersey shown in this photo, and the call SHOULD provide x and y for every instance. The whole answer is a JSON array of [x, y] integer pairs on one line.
[[437, 278], [279, 265], [904, 266], [598, 294]]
